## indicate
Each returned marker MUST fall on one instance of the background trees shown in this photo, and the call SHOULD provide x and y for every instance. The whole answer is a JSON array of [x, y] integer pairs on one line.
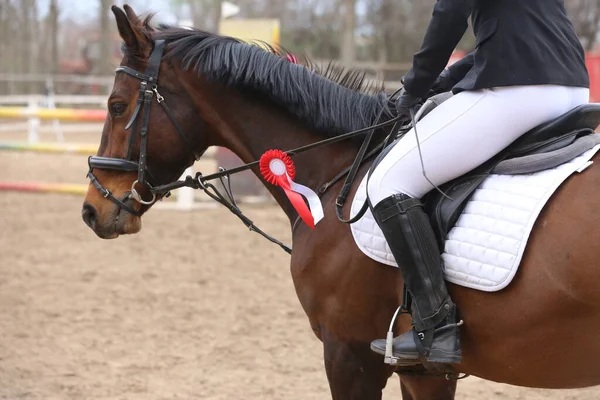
[[40, 36]]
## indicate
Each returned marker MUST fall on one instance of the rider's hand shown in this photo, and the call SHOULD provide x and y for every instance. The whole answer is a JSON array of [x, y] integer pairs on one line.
[[444, 83], [405, 103]]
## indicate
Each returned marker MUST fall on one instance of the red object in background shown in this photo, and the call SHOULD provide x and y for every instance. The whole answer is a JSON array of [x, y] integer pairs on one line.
[[456, 55], [593, 65], [292, 58]]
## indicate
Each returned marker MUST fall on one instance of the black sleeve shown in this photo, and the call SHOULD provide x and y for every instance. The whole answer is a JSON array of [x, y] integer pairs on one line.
[[459, 69], [447, 27]]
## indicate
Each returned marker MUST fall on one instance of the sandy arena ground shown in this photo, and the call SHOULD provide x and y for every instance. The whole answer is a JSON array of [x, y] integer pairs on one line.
[[193, 307]]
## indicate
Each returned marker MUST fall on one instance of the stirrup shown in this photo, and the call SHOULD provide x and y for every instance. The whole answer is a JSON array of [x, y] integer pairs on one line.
[[389, 357], [389, 339]]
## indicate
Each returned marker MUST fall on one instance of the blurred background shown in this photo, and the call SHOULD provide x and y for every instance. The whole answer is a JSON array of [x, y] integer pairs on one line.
[[194, 306], [78, 38]]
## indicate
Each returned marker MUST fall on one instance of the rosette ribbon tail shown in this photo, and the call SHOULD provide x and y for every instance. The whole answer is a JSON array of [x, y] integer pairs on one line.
[[310, 216], [278, 169]]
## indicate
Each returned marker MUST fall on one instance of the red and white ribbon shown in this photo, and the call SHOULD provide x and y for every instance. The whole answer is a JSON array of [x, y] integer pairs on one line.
[[292, 58], [278, 169]]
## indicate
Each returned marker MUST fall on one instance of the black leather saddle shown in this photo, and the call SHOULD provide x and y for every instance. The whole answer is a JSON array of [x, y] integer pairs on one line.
[[550, 136]]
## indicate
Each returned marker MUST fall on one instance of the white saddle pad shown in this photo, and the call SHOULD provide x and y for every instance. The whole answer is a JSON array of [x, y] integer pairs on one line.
[[485, 247]]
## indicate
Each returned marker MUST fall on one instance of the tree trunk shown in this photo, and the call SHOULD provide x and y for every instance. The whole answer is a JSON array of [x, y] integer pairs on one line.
[[594, 24], [34, 47], [53, 33], [103, 66], [348, 51], [196, 9], [25, 48], [4, 44], [216, 15], [585, 15]]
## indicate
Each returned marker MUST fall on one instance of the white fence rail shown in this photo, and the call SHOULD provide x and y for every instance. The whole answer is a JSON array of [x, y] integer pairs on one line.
[[33, 102], [62, 78], [27, 99]]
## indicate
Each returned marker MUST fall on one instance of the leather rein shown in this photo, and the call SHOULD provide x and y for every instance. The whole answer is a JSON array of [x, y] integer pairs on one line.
[[148, 89]]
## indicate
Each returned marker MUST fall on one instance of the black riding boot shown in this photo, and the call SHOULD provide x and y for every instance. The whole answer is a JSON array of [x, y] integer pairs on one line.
[[435, 336]]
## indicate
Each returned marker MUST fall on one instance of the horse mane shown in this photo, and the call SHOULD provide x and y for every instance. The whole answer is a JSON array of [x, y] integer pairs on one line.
[[330, 100]]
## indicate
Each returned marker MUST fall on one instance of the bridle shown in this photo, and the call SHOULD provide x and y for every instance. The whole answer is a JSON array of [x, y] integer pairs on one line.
[[148, 88]]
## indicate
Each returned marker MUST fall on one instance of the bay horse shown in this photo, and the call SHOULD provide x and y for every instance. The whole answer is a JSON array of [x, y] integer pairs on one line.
[[221, 92]]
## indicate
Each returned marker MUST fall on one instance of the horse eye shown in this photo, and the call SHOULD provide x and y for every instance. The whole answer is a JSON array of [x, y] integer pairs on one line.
[[117, 108]]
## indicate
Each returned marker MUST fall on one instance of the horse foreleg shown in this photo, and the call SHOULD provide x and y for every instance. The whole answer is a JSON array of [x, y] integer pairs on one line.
[[427, 388], [353, 371]]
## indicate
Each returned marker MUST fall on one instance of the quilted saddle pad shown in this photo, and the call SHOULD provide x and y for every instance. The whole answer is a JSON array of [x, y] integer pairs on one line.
[[484, 249]]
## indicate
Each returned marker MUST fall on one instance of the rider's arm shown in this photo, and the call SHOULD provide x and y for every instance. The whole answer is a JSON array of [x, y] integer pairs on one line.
[[459, 69], [447, 27]]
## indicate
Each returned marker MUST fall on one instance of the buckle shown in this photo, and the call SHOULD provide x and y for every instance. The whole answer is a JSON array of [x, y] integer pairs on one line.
[[159, 97], [137, 197], [148, 93]]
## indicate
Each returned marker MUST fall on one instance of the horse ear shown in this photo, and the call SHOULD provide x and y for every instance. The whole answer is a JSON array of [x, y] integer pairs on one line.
[[130, 13], [126, 30], [142, 24]]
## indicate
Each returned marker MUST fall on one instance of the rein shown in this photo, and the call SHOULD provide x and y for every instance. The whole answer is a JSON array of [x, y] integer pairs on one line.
[[200, 181], [148, 90]]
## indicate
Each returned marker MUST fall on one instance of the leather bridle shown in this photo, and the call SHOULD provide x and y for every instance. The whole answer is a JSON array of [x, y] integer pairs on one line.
[[148, 88]]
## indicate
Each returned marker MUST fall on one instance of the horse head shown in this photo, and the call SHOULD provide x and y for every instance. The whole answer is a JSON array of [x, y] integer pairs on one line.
[[179, 91], [150, 134]]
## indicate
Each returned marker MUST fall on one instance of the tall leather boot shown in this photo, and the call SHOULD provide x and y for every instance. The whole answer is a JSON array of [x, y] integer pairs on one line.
[[435, 336]]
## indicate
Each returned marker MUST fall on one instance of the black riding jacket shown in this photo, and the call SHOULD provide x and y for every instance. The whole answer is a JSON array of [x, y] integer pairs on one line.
[[519, 42]]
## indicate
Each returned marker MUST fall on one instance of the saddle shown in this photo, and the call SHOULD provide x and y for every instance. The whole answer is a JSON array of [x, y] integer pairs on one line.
[[546, 146]]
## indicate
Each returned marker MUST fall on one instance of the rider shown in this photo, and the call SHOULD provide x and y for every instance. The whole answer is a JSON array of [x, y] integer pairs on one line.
[[528, 67]]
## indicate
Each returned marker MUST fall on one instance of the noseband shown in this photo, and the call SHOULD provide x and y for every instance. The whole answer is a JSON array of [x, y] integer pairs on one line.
[[148, 88]]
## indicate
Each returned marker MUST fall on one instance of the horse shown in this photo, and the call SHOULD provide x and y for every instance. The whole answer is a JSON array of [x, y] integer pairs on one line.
[[249, 99]]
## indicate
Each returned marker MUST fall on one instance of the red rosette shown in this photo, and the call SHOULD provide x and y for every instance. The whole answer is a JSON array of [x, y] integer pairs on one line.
[[273, 176], [278, 169]]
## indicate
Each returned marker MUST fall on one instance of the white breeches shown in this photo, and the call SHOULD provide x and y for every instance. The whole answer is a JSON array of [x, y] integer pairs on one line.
[[464, 132]]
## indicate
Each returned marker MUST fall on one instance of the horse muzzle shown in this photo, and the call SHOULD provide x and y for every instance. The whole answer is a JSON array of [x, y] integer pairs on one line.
[[109, 221]]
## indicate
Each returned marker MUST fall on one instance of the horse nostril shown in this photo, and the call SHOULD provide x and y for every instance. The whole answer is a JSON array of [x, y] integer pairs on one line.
[[89, 215]]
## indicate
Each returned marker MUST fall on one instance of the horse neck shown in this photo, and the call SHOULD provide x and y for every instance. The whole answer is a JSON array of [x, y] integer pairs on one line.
[[251, 127]]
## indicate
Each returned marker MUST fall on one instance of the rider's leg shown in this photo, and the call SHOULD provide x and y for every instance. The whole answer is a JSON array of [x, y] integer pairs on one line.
[[456, 137]]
